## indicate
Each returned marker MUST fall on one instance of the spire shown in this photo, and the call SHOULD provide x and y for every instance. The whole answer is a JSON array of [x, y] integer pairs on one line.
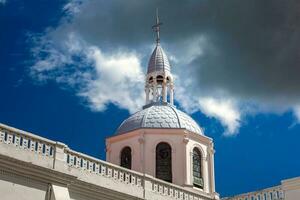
[[156, 27], [159, 87]]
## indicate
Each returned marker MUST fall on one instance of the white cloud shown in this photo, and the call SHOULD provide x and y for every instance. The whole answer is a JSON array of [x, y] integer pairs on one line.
[[2, 1], [96, 56], [224, 110], [297, 113], [101, 78], [119, 81], [72, 7]]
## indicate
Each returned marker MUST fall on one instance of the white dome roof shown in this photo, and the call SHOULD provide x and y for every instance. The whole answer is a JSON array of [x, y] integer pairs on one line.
[[158, 60], [159, 116]]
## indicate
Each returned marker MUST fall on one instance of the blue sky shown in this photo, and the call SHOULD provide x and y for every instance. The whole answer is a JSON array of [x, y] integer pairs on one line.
[[61, 79]]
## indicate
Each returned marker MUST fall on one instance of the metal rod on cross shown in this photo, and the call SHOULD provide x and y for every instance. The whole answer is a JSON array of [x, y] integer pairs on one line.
[[156, 27]]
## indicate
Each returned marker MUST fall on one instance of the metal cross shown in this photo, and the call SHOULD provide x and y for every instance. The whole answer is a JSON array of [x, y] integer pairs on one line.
[[156, 27]]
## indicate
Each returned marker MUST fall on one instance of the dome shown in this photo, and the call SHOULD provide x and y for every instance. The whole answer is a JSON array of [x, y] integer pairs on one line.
[[159, 116], [158, 60]]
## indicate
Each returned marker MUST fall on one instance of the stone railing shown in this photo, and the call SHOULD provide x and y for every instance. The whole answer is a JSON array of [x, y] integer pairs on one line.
[[84, 162], [102, 168], [63, 159], [26, 141], [174, 191], [273, 193]]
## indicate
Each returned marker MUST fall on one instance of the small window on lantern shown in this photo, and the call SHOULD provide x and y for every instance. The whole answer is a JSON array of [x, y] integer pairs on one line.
[[159, 79], [150, 79]]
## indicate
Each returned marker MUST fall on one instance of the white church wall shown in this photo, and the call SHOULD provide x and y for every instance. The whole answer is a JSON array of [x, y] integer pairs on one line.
[[113, 153], [291, 188], [14, 187], [143, 144], [150, 140], [175, 139]]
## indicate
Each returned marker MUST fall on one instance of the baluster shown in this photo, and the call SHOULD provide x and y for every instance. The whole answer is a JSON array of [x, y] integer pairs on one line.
[[103, 170], [133, 180], [115, 174], [281, 195], [47, 150], [91, 166], [176, 194], [32, 145], [79, 161], [85, 162], [2, 136], [17, 140], [9, 139], [121, 178], [39, 148], [71, 160], [160, 189], [97, 168], [181, 195], [171, 190], [186, 196], [127, 178], [25, 143], [166, 190], [139, 182], [109, 172]]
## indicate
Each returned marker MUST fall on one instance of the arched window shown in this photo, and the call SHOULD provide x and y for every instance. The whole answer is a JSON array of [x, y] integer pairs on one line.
[[126, 157], [164, 162], [197, 168]]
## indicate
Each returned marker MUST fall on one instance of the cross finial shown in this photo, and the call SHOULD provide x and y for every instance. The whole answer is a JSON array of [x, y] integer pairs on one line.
[[156, 27]]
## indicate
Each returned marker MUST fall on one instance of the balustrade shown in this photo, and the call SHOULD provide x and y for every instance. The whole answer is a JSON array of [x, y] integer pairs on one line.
[[26, 141], [174, 191], [274, 193], [93, 165]]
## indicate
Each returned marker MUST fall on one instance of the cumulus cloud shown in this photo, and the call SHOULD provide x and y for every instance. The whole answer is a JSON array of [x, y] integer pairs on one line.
[[225, 110], [297, 112], [225, 53], [101, 78]]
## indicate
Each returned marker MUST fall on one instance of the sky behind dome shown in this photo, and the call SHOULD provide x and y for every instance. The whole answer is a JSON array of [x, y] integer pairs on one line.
[[73, 70]]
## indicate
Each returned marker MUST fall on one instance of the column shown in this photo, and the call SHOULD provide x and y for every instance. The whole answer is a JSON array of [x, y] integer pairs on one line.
[[164, 91], [154, 98], [211, 152], [147, 90], [171, 95]]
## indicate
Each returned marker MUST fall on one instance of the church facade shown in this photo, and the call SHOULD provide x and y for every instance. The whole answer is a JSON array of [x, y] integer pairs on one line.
[[157, 153]]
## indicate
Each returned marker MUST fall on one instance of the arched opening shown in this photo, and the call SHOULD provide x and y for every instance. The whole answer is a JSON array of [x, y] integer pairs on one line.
[[164, 162], [197, 168], [159, 79], [151, 79], [126, 157], [168, 79]]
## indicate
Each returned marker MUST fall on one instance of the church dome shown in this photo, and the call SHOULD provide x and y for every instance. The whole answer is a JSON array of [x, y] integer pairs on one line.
[[159, 116], [158, 60]]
